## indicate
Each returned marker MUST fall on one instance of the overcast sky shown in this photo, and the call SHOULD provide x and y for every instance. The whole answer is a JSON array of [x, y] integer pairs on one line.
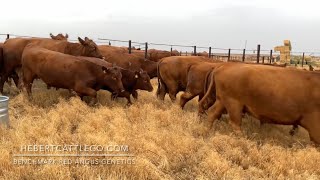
[[217, 23]]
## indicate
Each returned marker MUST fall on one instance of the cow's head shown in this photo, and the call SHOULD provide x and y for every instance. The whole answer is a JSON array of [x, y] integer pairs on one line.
[[112, 78], [90, 48], [59, 37], [143, 81]]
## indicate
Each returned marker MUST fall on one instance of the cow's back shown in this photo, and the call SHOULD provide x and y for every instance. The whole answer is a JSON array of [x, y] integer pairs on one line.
[[13, 48], [118, 57], [97, 61], [56, 69], [175, 68]]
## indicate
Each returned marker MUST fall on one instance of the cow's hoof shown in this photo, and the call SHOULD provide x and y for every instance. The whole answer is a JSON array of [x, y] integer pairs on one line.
[[30, 98], [128, 104], [202, 131], [202, 114], [292, 132]]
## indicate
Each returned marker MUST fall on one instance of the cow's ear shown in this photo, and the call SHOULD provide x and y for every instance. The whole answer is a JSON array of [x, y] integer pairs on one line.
[[67, 36], [86, 39], [82, 41], [136, 74]]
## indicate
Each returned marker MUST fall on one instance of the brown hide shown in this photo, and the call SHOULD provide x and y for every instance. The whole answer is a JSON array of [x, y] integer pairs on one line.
[[133, 81], [1, 55], [156, 55], [59, 37], [173, 74], [69, 72], [128, 61], [13, 49], [198, 78], [273, 95]]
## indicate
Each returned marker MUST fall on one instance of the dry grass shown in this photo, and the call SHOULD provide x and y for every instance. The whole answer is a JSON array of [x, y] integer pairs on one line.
[[162, 137]]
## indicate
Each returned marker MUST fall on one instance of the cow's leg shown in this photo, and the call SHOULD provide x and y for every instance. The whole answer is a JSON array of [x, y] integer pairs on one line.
[[234, 109], [127, 96], [135, 94], [83, 90], [173, 90], [80, 95], [215, 112], [161, 91], [200, 97], [114, 96], [20, 77], [185, 97], [3, 79], [28, 80], [15, 78], [9, 81], [311, 123], [205, 104], [294, 130]]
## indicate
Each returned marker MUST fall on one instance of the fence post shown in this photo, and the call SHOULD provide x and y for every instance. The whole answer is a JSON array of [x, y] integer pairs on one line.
[[8, 36], [195, 50], [258, 53], [109, 43], [146, 51], [186, 53], [302, 59], [271, 55], [262, 59], [229, 54], [171, 51], [209, 52], [244, 55], [129, 46]]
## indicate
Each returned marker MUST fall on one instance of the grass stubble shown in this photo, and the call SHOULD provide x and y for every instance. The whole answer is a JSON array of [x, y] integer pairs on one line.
[[162, 137]]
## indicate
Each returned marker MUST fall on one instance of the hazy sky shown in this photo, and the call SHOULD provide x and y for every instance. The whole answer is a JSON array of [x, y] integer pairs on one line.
[[217, 23]]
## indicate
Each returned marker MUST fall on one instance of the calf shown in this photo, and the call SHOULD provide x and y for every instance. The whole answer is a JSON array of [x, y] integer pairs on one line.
[[132, 81]]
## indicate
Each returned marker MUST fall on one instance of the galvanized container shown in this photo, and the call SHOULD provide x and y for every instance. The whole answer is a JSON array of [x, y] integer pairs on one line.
[[4, 110]]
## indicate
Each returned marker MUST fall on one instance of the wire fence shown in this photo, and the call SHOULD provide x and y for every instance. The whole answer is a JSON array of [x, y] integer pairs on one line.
[[148, 49]]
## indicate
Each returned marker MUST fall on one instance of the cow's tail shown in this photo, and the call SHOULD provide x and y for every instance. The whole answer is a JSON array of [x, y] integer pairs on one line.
[[1, 60], [208, 91], [159, 78], [206, 80]]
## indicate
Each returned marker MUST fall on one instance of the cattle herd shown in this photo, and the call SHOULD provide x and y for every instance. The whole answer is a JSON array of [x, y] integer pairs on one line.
[[269, 92]]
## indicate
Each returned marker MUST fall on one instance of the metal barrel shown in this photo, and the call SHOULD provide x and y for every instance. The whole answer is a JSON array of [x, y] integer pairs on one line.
[[4, 110]]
